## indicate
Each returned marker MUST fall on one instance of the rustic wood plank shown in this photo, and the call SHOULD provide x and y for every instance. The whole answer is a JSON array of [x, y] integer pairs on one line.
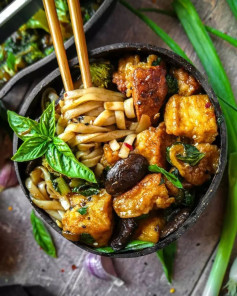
[[21, 259]]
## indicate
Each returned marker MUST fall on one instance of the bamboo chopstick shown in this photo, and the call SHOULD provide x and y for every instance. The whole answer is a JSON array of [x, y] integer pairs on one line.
[[80, 41], [56, 34]]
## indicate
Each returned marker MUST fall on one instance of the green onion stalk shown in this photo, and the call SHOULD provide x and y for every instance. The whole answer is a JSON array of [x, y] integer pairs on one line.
[[206, 51], [214, 31], [233, 6]]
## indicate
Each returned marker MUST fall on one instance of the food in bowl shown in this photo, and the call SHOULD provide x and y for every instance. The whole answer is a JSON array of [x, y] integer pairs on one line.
[[32, 41], [145, 141]]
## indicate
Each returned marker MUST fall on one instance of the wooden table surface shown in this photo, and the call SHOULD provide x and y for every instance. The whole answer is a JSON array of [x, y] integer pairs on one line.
[[22, 262]]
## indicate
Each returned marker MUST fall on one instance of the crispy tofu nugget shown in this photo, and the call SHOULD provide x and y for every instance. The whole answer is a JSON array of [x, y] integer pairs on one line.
[[126, 67], [149, 91], [96, 220], [192, 117], [149, 229], [109, 157], [202, 172], [142, 198], [152, 144], [187, 84]]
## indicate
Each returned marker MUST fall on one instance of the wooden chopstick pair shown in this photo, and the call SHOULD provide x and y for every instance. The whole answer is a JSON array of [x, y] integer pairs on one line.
[[80, 42]]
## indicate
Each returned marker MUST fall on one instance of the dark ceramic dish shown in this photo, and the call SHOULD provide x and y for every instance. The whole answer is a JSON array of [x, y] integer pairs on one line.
[[114, 52], [47, 64]]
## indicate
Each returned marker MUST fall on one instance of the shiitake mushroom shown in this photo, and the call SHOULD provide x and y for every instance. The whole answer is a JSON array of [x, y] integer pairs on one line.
[[175, 223], [126, 229], [125, 174]]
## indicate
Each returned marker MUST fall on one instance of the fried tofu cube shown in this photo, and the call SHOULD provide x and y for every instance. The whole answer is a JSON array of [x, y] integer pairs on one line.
[[187, 84], [96, 220], [126, 66], [149, 91], [110, 157], [192, 117], [142, 198], [149, 229], [152, 144], [201, 172]]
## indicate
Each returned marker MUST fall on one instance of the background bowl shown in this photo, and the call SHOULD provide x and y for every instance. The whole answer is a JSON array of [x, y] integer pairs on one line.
[[31, 108], [48, 63]]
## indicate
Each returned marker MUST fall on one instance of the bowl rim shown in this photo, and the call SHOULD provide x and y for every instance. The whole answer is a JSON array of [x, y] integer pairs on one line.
[[89, 27], [201, 206]]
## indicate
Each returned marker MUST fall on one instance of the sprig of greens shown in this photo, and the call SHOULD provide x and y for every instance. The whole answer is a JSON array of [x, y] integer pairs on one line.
[[39, 139], [42, 236], [169, 176], [167, 256]]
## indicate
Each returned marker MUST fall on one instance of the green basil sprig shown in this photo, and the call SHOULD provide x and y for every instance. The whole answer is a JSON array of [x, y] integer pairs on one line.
[[42, 236], [39, 139], [169, 176]]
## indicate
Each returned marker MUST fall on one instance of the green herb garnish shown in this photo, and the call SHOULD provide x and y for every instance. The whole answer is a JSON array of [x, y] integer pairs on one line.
[[156, 62], [86, 238], [82, 210], [42, 236], [39, 139], [191, 154], [169, 176], [166, 257]]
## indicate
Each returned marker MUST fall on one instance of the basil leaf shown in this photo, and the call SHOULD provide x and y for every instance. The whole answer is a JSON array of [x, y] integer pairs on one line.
[[31, 149], [11, 60], [169, 176], [25, 128], [86, 238], [192, 155], [61, 159], [132, 246], [167, 256], [47, 121], [82, 210], [42, 236]]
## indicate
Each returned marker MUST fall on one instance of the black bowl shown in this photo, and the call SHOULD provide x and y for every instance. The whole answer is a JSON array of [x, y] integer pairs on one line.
[[48, 63], [114, 52]]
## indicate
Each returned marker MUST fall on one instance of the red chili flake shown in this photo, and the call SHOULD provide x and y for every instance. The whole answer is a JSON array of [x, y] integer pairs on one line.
[[208, 105], [65, 95], [74, 267], [62, 270], [128, 146]]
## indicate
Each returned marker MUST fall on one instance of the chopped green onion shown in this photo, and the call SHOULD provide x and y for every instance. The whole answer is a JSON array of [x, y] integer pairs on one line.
[[62, 186], [163, 35]]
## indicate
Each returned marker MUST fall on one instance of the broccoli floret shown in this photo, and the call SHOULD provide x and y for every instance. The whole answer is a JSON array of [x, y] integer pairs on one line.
[[172, 84], [101, 74]]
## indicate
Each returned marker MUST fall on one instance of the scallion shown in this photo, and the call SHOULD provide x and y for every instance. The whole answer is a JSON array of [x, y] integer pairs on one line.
[[233, 6]]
